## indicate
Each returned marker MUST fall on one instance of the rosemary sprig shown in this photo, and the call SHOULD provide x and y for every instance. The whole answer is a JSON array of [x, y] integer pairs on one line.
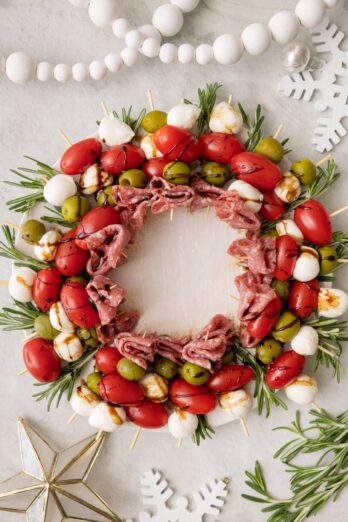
[[57, 218], [340, 244], [254, 127], [126, 117], [9, 251], [20, 318], [206, 102], [203, 431]]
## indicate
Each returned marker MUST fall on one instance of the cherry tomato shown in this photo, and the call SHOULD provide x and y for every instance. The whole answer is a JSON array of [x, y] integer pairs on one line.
[[194, 399], [272, 207], [77, 305], [229, 378], [257, 170], [148, 414], [106, 359], [314, 222], [154, 167], [41, 360], [220, 147], [122, 157], [287, 252], [46, 288], [303, 298], [77, 158], [284, 369], [177, 144], [95, 220], [264, 322], [70, 259], [114, 388]]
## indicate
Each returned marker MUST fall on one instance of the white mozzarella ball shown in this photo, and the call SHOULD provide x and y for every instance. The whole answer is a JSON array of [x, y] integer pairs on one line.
[[83, 401], [44, 71], [289, 189], [332, 302], [237, 403], [62, 72], [310, 12], [183, 115], [149, 31], [168, 53], [218, 417], [113, 62], [21, 283], [204, 54], [168, 19], [225, 118], [156, 387], [134, 39], [306, 341], [307, 265], [256, 38], [58, 189], [97, 70], [129, 56], [112, 131], [94, 179], [68, 346], [80, 72], [106, 417], [284, 27], [120, 27], [102, 12], [149, 147], [303, 390], [251, 195], [45, 249], [59, 320], [20, 67], [186, 53], [151, 47], [186, 6], [227, 49], [182, 424], [289, 227]]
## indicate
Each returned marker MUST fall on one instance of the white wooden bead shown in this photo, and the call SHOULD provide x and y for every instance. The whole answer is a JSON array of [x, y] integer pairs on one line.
[[284, 27], [204, 54], [97, 70], [44, 71], [113, 62], [120, 27], [134, 39], [102, 12], [186, 53], [149, 31], [227, 49], [151, 47], [80, 72], [20, 67], [310, 12], [79, 3], [62, 72], [186, 5], [129, 56], [168, 53], [168, 19], [256, 38], [331, 3]]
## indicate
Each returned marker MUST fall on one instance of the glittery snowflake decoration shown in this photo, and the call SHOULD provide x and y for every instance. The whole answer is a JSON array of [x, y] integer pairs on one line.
[[330, 84], [156, 492]]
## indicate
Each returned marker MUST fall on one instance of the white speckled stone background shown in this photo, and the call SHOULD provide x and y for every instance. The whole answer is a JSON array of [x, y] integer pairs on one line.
[[29, 116]]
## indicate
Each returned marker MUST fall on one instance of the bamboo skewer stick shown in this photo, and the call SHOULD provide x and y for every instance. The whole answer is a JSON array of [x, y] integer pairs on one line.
[[150, 97], [229, 101], [339, 211], [72, 418], [22, 372], [278, 131], [3, 283], [171, 214], [31, 336], [245, 427], [316, 406], [179, 443], [135, 438], [342, 260], [64, 136], [104, 109], [12, 225], [323, 160]]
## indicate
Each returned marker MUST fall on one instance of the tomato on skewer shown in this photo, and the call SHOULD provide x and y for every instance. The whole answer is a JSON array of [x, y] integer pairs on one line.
[[106, 359], [155, 167], [117, 390], [70, 259], [272, 207], [122, 157], [264, 322], [284, 369], [314, 222], [194, 399], [177, 144], [77, 305], [230, 377], [148, 414], [81, 155], [303, 298], [95, 220], [46, 288], [41, 360], [257, 170], [220, 147], [286, 252]]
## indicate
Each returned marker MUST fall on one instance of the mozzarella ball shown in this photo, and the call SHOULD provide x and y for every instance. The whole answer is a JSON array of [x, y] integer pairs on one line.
[[289, 227], [20, 67], [168, 53], [289, 189], [256, 38], [182, 424], [186, 6], [21, 283], [62, 72], [97, 70], [305, 341], [106, 417], [251, 196], [168, 19], [58, 318], [149, 147], [310, 12], [83, 401], [218, 417], [94, 179], [58, 189], [303, 390], [102, 12], [307, 265], [225, 118], [151, 47], [68, 346], [80, 72], [129, 56], [45, 249], [284, 27], [44, 71], [237, 403], [134, 39], [112, 131], [204, 54], [156, 388], [113, 62], [227, 49], [120, 27], [186, 53], [183, 115], [332, 302]]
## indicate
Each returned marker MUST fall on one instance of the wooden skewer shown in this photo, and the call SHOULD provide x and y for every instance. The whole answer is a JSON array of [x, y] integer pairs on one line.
[[31, 336], [179, 443], [171, 214], [12, 225], [64, 137], [278, 131], [123, 254], [3, 283], [339, 211], [245, 427], [72, 418], [182, 101], [229, 101], [150, 97], [234, 297], [342, 260], [316, 406], [207, 334], [135, 438], [323, 160], [104, 109], [22, 372]]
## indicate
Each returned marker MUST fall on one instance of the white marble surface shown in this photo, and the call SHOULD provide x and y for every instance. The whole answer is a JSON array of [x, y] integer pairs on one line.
[[29, 116]]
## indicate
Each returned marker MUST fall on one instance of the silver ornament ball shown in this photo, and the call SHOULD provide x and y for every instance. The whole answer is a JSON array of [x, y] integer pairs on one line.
[[296, 57]]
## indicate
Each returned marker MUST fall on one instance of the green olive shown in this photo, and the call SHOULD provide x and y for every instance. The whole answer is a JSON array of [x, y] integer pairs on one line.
[[328, 259], [177, 172], [88, 338], [194, 374], [74, 208], [165, 367], [281, 288], [32, 231], [228, 356], [78, 279], [272, 232], [133, 178], [154, 120], [44, 329], [305, 170], [214, 173], [271, 149], [93, 380], [104, 197], [286, 327], [129, 370], [268, 350]]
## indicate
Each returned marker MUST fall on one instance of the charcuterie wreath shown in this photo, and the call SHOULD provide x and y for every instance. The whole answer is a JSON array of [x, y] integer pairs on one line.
[[83, 340]]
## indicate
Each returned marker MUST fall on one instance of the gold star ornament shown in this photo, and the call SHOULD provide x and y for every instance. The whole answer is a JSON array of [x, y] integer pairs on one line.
[[52, 485]]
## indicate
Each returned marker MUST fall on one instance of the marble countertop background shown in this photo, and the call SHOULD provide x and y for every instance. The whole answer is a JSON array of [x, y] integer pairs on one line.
[[53, 30]]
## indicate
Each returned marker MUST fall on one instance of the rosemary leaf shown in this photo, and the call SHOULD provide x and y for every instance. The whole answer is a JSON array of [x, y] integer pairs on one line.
[[9, 251], [203, 431], [20, 318], [254, 127], [206, 102]]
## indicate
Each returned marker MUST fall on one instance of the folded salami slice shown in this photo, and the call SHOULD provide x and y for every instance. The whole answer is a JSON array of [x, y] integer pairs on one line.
[[171, 347], [140, 350], [205, 194], [167, 195], [106, 247], [255, 294], [229, 207], [204, 352], [259, 251], [123, 322], [106, 295], [134, 202]]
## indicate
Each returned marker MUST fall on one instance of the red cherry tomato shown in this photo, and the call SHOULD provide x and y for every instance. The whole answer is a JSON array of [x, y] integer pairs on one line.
[[287, 252], [229, 378], [122, 157], [95, 220], [41, 360], [114, 388], [220, 147], [148, 414], [77, 158], [303, 298], [177, 144], [272, 207], [194, 399], [106, 359], [46, 288], [257, 170], [314, 222], [154, 167], [284, 369], [77, 305], [264, 322], [70, 259]]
